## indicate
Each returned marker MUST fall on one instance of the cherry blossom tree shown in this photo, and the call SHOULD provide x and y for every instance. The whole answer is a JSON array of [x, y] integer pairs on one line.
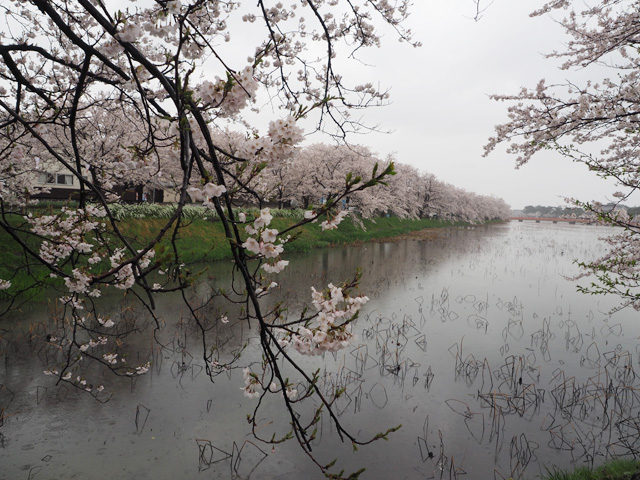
[[317, 175], [168, 93], [594, 122], [318, 172]]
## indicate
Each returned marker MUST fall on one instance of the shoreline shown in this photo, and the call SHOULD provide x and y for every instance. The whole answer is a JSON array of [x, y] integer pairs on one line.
[[203, 240]]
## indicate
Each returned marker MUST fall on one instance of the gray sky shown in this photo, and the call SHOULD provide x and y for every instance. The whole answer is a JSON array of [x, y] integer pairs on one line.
[[441, 115]]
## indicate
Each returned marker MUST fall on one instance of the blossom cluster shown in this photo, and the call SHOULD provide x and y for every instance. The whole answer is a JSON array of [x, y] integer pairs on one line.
[[67, 232], [336, 311], [261, 241], [16, 173], [253, 386], [79, 381], [206, 193], [124, 276], [230, 95], [140, 370], [332, 223], [283, 136], [93, 343]]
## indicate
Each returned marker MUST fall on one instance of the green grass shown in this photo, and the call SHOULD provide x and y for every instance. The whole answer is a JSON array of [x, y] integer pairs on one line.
[[204, 240], [311, 235], [614, 470]]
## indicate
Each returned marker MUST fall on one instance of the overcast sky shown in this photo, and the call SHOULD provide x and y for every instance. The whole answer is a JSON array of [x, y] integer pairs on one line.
[[441, 115]]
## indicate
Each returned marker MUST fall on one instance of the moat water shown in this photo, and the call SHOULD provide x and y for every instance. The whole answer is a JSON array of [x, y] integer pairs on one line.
[[476, 342]]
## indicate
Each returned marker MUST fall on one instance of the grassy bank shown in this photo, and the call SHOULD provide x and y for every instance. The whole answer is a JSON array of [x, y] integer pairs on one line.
[[205, 240], [614, 470], [202, 240]]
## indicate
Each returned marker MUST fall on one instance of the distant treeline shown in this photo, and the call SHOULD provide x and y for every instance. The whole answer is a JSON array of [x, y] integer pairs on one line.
[[548, 211]]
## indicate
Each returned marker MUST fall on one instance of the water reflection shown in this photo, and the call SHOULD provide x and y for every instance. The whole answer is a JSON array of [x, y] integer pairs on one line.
[[473, 341]]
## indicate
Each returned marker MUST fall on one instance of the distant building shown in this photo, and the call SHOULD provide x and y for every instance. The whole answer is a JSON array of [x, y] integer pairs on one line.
[[60, 184]]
